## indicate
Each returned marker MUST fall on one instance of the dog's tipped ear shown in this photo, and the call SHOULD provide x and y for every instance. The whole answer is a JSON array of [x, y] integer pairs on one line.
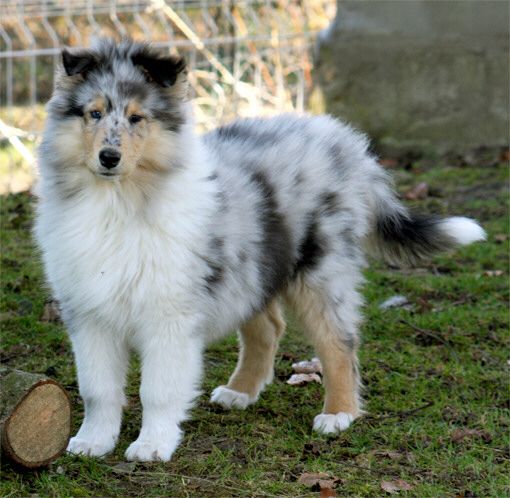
[[162, 70], [78, 62]]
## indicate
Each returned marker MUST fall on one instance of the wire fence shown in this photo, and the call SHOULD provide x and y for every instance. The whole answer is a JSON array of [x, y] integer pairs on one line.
[[245, 58]]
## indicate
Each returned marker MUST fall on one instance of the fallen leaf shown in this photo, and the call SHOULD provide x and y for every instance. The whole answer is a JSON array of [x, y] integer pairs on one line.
[[302, 379], [420, 191], [395, 486], [326, 492], [309, 479], [500, 237], [461, 434], [307, 367], [320, 482], [51, 312], [394, 302], [493, 273]]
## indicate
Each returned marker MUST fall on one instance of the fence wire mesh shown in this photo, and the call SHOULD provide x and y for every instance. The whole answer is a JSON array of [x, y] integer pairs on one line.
[[245, 58]]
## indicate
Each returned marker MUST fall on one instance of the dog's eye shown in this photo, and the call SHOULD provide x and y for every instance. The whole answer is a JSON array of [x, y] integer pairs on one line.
[[135, 118], [95, 115]]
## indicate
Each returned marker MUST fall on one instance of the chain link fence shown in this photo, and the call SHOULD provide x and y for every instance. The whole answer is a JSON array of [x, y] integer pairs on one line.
[[245, 57]]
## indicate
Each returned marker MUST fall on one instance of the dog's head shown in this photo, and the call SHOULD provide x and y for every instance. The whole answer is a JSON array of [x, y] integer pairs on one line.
[[118, 108]]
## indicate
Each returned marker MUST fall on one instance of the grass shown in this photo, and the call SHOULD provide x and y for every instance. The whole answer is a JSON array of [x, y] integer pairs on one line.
[[430, 372]]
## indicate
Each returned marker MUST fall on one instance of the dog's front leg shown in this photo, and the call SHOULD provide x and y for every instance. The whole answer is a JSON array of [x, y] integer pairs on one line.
[[171, 369], [101, 362]]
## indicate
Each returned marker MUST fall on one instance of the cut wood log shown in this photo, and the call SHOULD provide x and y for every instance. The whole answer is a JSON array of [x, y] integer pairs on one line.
[[35, 418]]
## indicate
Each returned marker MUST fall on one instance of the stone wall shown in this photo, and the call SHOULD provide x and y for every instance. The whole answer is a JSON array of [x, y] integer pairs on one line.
[[418, 74]]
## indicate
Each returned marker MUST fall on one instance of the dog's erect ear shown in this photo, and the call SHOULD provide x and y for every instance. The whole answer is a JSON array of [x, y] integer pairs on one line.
[[163, 70], [78, 62]]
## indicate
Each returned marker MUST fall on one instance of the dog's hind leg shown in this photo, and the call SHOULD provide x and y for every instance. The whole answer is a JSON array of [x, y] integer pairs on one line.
[[258, 340], [331, 324]]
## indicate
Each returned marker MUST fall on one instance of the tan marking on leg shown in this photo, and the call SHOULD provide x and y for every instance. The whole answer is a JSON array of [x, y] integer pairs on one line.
[[258, 340], [338, 356]]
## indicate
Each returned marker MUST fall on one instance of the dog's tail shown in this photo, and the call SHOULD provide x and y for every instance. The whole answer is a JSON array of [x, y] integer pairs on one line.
[[398, 236]]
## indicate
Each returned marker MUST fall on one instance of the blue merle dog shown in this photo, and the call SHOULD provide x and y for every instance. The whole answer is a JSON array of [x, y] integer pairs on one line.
[[158, 240]]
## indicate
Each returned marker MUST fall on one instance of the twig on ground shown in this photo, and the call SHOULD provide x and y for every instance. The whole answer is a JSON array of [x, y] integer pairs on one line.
[[431, 333], [400, 415]]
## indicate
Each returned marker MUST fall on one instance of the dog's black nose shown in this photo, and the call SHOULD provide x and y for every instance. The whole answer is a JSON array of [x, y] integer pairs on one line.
[[109, 158]]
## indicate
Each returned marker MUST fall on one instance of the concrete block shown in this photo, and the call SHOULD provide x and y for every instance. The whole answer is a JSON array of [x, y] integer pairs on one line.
[[418, 74]]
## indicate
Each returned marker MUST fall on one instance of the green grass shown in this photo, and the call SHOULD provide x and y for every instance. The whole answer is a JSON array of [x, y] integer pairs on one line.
[[430, 370]]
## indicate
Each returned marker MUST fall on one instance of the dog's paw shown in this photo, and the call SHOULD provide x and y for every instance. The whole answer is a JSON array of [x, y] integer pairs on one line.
[[144, 450], [228, 398], [329, 423], [90, 447]]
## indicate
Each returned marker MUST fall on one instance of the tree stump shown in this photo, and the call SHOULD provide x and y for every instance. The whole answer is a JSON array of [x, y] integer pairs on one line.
[[35, 418]]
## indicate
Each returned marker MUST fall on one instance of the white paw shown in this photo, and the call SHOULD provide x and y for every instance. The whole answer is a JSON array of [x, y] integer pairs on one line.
[[90, 447], [144, 450], [228, 398], [329, 423]]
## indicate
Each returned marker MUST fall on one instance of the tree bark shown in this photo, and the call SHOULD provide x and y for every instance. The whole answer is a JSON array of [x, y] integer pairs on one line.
[[35, 418]]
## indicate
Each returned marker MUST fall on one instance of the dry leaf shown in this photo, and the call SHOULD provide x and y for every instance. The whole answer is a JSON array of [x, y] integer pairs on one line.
[[493, 273], [395, 486], [302, 379], [51, 312], [307, 367], [420, 191], [320, 482], [309, 479], [461, 434], [500, 237], [326, 492]]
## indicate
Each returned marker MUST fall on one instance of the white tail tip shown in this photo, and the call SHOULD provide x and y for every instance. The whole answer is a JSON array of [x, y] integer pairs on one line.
[[463, 230]]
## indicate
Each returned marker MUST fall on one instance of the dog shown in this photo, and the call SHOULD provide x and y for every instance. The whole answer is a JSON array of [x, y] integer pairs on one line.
[[158, 240]]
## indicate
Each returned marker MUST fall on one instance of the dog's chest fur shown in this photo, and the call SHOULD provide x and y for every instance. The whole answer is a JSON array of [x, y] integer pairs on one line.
[[120, 262]]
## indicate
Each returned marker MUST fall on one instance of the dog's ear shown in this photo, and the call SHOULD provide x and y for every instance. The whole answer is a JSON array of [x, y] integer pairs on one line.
[[78, 62], [162, 70]]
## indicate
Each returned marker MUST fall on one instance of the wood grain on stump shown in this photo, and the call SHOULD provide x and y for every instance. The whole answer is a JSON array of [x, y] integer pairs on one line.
[[35, 418]]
